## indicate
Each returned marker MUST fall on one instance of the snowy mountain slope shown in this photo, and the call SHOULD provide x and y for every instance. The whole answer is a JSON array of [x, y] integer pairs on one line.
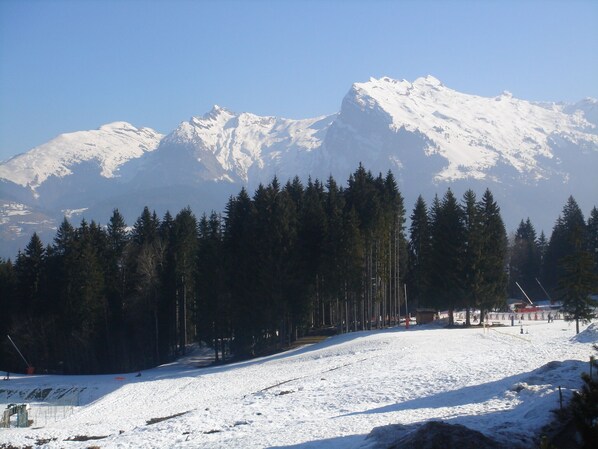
[[108, 148], [472, 134], [532, 156], [588, 107], [328, 395], [225, 146]]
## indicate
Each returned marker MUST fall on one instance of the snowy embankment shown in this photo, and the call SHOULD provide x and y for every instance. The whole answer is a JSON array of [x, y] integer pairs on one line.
[[327, 395]]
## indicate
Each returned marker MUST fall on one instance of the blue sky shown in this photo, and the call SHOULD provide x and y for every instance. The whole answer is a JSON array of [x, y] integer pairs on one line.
[[75, 65]]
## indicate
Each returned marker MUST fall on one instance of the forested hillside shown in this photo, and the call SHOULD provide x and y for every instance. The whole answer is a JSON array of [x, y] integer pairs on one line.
[[272, 267]]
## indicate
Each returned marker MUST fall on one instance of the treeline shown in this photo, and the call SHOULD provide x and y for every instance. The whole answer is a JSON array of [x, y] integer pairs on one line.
[[562, 268], [267, 271]]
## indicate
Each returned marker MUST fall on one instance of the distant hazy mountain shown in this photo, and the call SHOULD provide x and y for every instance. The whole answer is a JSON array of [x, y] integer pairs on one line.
[[531, 155]]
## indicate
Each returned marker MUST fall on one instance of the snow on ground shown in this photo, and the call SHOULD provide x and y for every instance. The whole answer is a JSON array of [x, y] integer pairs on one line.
[[327, 395]]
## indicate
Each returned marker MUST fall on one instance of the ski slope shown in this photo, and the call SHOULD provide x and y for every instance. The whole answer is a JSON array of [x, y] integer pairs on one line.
[[326, 395]]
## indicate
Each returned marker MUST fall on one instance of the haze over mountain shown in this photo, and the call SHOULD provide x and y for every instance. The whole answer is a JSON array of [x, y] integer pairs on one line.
[[532, 156]]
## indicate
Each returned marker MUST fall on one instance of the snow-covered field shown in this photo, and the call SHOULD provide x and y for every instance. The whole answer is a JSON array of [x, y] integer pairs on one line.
[[327, 395]]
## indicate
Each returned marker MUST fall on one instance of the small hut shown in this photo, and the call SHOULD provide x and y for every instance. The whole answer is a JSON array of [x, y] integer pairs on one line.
[[425, 316]]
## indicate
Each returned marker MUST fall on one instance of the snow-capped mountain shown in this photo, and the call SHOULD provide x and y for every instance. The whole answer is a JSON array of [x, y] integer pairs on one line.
[[107, 148], [471, 134], [238, 148], [531, 155]]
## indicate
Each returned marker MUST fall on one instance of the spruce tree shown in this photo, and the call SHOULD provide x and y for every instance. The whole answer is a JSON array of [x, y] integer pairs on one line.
[[352, 252], [576, 284], [472, 256], [311, 238], [577, 276], [592, 240], [525, 261], [241, 268], [493, 251], [185, 245], [8, 307], [168, 323], [146, 257], [30, 269], [333, 288], [419, 252], [394, 263], [146, 228], [65, 235], [448, 239], [213, 319], [117, 233], [584, 406], [83, 303], [117, 239]]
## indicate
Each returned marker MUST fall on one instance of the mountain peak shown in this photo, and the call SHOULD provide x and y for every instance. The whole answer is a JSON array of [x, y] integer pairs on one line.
[[426, 133], [473, 133], [428, 81], [117, 125], [110, 146], [218, 111], [391, 87]]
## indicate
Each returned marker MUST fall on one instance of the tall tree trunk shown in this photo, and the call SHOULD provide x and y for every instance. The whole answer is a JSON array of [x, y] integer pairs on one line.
[[157, 336]]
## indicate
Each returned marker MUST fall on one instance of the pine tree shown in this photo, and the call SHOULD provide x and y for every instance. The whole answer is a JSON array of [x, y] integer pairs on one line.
[[311, 237], [525, 261], [83, 303], [117, 239], [576, 269], [395, 254], [185, 245], [592, 239], [556, 250], [472, 256], [278, 275], [561, 244], [213, 319], [31, 275], [296, 191], [352, 252], [363, 196], [65, 236], [542, 245], [584, 406], [576, 285], [7, 305], [146, 256], [448, 237], [167, 306], [240, 271], [419, 252], [146, 227], [117, 233], [493, 251], [333, 288]]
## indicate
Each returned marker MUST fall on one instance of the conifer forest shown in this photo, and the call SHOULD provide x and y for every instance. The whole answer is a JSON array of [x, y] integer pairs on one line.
[[275, 265]]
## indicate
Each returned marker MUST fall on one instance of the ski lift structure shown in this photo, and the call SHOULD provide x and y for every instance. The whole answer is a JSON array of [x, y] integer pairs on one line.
[[535, 307], [30, 369]]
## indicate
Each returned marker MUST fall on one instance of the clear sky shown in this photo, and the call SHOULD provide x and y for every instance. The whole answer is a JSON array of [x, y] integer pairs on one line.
[[75, 65]]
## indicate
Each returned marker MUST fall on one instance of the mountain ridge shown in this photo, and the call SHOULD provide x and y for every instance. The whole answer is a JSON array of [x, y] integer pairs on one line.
[[32, 168], [429, 135]]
